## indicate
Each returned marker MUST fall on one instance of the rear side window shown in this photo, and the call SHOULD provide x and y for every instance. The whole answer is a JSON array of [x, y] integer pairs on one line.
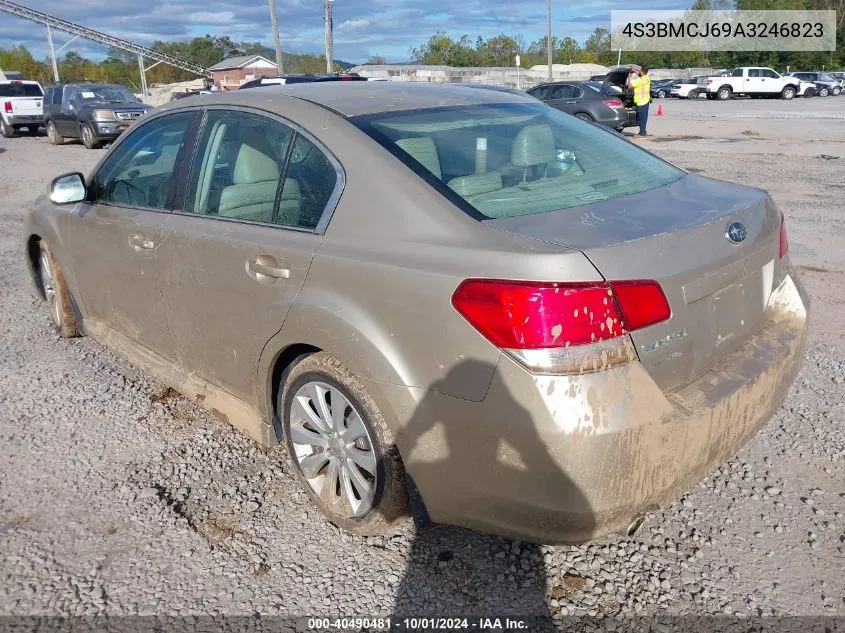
[[251, 167], [506, 160], [20, 90]]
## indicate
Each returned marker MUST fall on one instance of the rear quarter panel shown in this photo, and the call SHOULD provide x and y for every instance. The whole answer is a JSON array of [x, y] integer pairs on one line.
[[378, 293]]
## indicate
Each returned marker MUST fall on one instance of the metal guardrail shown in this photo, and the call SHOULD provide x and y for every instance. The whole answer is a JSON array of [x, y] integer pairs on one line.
[[52, 21]]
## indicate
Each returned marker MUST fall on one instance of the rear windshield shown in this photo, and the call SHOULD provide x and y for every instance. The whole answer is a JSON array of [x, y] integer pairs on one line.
[[20, 90], [512, 159]]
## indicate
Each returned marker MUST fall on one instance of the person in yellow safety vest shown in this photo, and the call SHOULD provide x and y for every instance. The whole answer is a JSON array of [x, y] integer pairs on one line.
[[640, 83]]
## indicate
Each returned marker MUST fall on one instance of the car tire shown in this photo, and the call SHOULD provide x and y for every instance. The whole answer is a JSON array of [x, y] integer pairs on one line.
[[375, 480], [836, 91], [585, 116], [788, 93], [52, 283], [53, 134], [661, 94], [6, 130], [724, 93], [823, 92], [88, 138]]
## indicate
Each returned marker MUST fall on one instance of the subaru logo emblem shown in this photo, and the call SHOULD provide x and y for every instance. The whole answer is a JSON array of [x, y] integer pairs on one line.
[[736, 232]]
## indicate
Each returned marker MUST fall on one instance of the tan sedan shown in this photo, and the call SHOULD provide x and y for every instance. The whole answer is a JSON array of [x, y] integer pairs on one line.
[[548, 329]]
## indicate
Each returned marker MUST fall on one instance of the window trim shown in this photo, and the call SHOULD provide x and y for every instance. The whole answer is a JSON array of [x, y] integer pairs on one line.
[[297, 130], [172, 185]]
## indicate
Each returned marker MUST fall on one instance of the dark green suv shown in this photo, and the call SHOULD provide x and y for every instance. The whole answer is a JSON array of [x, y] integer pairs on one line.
[[92, 112]]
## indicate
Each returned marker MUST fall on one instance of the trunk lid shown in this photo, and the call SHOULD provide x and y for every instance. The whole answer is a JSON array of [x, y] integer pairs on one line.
[[677, 235]]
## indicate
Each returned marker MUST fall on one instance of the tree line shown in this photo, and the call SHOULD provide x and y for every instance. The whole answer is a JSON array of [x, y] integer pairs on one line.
[[501, 50], [121, 67]]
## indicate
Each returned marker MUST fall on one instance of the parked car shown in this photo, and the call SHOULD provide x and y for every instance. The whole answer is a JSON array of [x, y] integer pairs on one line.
[[548, 328], [20, 107], [807, 89], [686, 88], [95, 113], [597, 77], [661, 88], [826, 84], [298, 79], [584, 101], [751, 81]]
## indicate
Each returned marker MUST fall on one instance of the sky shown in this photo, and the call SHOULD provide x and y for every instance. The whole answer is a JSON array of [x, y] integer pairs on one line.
[[390, 28]]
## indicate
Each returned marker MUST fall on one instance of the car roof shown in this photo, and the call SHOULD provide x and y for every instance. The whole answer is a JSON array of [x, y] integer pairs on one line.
[[360, 98]]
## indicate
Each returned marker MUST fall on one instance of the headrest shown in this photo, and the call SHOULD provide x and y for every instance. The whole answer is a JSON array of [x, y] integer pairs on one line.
[[253, 165], [534, 145], [424, 151], [466, 186]]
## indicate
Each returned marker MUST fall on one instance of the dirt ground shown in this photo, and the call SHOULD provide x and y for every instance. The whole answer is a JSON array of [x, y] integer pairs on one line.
[[120, 497]]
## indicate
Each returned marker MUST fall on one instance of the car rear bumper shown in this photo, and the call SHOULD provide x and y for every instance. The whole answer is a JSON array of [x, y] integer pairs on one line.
[[26, 119], [565, 459]]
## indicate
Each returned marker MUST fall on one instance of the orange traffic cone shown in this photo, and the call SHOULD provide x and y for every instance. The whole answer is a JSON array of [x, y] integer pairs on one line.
[[660, 109]]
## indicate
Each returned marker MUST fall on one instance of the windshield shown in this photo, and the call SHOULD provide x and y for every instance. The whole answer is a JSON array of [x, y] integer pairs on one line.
[[20, 90], [510, 159], [111, 94]]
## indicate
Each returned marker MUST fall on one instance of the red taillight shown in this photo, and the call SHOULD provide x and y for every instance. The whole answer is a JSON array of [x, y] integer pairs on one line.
[[7, 106], [613, 103], [524, 315], [709, 81], [784, 242]]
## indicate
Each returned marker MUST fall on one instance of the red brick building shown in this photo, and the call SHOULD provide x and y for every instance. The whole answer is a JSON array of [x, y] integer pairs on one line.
[[231, 73]]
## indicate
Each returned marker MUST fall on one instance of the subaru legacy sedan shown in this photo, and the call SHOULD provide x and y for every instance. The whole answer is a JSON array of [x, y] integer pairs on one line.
[[433, 296]]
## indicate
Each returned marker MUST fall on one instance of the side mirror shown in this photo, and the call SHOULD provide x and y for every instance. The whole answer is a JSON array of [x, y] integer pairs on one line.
[[68, 189]]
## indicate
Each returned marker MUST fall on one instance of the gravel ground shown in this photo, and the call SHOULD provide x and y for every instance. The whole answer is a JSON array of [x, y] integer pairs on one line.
[[118, 496]]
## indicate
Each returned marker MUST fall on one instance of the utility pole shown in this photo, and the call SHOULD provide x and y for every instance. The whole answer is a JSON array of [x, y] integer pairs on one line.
[[549, 41], [329, 35], [280, 60], [53, 54]]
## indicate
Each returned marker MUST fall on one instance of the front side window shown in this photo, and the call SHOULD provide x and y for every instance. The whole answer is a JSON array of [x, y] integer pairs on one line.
[[737, 72], [139, 171], [539, 93], [505, 160], [251, 167]]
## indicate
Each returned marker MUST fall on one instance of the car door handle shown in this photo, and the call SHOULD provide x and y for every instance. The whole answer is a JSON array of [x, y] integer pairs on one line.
[[141, 243], [571, 102], [266, 270]]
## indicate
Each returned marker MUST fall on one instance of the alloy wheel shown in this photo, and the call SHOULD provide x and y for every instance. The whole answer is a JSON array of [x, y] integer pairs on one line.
[[49, 286], [333, 449]]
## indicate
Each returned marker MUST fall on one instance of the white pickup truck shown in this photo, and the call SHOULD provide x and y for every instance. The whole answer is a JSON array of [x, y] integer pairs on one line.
[[21, 105], [751, 81]]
